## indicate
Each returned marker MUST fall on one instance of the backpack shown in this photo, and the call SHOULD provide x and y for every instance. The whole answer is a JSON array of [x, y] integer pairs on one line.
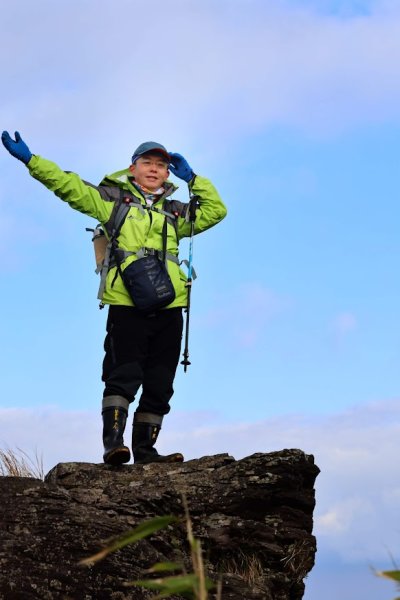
[[108, 254]]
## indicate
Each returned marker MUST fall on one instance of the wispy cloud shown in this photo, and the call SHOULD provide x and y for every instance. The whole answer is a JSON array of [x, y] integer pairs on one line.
[[246, 310], [343, 324]]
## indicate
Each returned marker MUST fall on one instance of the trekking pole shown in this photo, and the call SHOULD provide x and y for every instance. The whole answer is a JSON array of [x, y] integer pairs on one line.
[[192, 217]]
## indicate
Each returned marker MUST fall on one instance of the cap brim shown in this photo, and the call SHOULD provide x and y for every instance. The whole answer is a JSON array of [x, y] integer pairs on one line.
[[153, 151]]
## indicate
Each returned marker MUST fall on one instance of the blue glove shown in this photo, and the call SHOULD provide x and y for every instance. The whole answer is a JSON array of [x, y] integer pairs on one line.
[[180, 167], [16, 147]]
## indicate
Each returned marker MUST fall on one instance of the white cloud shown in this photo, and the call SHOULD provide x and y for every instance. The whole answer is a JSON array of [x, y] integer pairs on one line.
[[232, 68], [56, 435], [339, 518]]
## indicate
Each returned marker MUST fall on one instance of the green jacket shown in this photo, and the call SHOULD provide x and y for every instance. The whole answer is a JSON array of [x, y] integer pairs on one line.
[[140, 228]]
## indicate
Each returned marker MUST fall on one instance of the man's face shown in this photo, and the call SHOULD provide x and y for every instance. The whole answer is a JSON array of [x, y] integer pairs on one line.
[[150, 171]]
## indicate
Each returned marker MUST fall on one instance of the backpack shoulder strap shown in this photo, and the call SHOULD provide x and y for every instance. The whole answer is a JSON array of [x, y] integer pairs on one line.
[[119, 212], [122, 203]]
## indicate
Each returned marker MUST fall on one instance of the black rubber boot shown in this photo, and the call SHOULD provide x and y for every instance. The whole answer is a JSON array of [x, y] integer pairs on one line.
[[114, 421], [144, 436]]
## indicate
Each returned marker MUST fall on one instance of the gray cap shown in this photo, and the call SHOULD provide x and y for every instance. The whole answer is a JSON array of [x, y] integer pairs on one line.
[[150, 147]]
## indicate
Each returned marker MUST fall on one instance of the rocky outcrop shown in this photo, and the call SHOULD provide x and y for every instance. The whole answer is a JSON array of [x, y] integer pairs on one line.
[[253, 517]]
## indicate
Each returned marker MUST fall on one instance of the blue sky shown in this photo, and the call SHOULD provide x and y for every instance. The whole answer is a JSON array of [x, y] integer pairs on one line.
[[292, 109]]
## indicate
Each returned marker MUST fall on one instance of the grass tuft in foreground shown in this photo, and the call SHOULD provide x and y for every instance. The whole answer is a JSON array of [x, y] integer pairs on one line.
[[17, 463]]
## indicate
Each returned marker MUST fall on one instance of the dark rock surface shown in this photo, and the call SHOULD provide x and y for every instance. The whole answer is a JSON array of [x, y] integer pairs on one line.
[[253, 517]]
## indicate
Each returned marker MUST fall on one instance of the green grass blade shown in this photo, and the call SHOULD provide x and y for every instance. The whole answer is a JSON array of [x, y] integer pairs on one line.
[[165, 566], [134, 535], [176, 584], [173, 585]]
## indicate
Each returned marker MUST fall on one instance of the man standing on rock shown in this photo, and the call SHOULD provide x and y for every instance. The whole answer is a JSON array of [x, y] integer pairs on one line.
[[143, 284]]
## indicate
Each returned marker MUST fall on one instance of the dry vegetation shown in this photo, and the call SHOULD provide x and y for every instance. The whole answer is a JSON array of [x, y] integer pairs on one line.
[[249, 568], [17, 463], [297, 561]]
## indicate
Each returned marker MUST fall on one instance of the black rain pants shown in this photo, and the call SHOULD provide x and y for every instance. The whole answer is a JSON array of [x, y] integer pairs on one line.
[[142, 350]]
